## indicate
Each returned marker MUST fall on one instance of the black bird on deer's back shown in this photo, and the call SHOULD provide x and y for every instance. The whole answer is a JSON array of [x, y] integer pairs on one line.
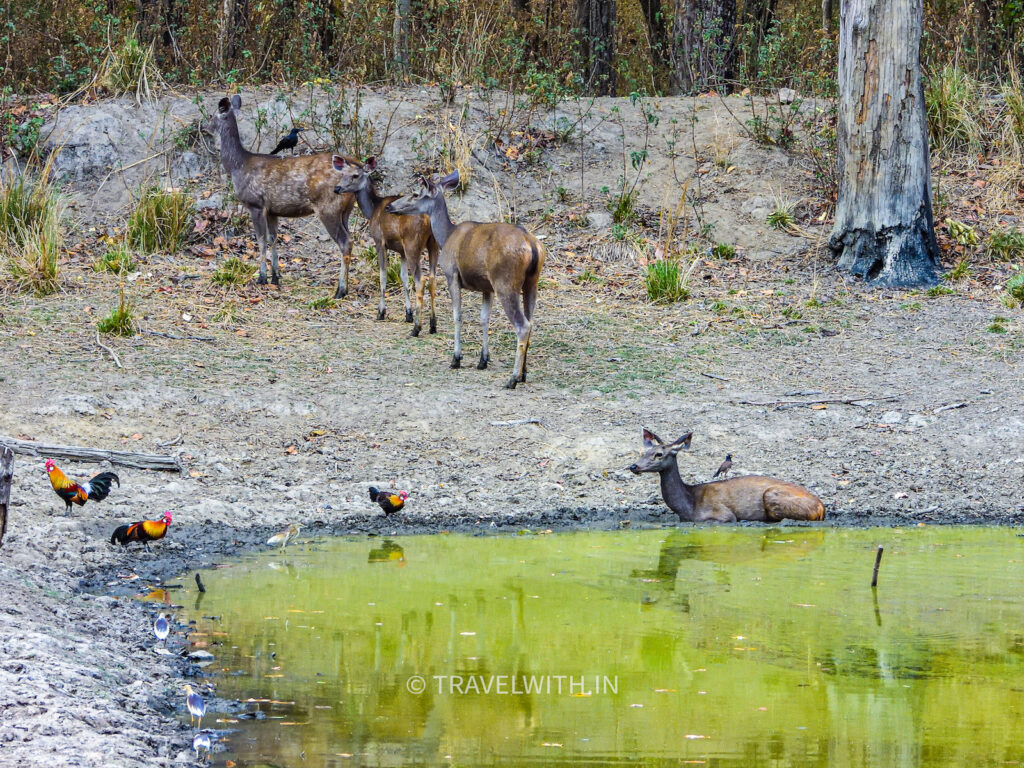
[[724, 468], [288, 142]]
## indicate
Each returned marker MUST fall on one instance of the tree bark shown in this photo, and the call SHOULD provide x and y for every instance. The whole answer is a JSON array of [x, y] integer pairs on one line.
[[77, 453], [884, 230], [826, 15], [757, 18], [6, 476], [703, 44], [657, 35], [400, 32], [596, 21]]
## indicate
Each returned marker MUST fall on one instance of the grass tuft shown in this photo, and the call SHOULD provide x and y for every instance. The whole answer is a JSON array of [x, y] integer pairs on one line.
[[160, 221], [394, 274], [1005, 245], [233, 272], [665, 282], [323, 304], [781, 217], [952, 100], [31, 231], [121, 320], [1015, 287], [118, 259], [128, 68]]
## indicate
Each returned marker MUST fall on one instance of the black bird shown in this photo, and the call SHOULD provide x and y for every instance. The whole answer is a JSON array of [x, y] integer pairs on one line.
[[725, 467], [389, 501], [291, 141]]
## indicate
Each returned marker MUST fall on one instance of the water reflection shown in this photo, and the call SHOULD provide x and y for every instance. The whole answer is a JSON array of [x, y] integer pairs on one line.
[[738, 647]]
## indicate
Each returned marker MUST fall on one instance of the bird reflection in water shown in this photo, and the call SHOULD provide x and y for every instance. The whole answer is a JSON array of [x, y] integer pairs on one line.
[[387, 552]]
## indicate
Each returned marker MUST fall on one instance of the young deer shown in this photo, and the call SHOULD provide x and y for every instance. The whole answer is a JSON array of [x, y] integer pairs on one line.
[[283, 187], [495, 258], [743, 498], [405, 235]]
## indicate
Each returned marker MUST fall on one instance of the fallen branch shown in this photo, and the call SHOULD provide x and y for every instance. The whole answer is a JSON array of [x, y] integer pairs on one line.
[[78, 453], [712, 376], [175, 441], [112, 353], [949, 407], [516, 423], [858, 401], [179, 338], [6, 476]]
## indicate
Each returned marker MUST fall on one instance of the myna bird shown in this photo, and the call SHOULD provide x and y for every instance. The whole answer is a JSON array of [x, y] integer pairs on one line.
[[726, 465]]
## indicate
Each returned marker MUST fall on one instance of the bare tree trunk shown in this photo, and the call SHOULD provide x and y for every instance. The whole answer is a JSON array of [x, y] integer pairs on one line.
[[6, 476], [826, 15], [596, 19], [654, 18], [400, 32], [757, 18], [884, 229], [704, 50]]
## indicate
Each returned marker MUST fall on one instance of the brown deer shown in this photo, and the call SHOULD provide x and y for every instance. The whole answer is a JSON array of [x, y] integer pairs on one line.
[[405, 235], [494, 258], [724, 501], [272, 188]]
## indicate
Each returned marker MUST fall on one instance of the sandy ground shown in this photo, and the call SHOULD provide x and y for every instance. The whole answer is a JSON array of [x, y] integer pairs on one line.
[[285, 414]]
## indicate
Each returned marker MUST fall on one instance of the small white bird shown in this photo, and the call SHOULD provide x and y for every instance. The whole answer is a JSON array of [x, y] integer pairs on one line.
[[161, 628], [284, 537], [201, 744], [196, 705]]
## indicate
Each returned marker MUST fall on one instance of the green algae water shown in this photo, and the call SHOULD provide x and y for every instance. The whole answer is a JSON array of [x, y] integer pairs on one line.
[[708, 646]]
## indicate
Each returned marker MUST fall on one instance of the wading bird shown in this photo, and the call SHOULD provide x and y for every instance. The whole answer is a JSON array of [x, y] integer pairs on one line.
[[78, 493], [284, 537], [201, 744], [196, 705], [161, 628]]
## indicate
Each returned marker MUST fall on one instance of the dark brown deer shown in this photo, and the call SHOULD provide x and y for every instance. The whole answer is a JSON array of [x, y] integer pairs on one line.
[[724, 501], [407, 236], [494, 258], [272, 188]]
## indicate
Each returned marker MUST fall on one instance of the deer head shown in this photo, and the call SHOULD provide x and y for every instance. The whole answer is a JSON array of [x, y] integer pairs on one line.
[[423, 201], [657, 456], [353, 175]]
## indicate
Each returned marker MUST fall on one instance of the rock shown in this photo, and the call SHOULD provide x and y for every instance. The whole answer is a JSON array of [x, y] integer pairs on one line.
[[213, 202], [787, 95], [892, 417], [599, 219], [757, 208], [918, 420]]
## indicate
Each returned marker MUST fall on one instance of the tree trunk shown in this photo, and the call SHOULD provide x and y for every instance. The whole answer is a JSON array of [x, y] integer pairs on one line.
[[400, 32], [596, 21], [704, 48], [6, 475], [757, 19], [826, 15], [657, 35], [884, 230]]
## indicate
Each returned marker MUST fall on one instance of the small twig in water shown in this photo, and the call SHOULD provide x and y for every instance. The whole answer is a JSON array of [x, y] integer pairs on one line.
[[878, 562], [112, 353], [199, 583]]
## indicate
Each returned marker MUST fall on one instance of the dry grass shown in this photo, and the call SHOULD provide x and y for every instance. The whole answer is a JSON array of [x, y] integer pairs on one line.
[[32, 230]]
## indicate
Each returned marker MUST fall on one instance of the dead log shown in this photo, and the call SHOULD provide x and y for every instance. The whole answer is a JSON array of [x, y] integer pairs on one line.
[[6, 476], [78, 453]]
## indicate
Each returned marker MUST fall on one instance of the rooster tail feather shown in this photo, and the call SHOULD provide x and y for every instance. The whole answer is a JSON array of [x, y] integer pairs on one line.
[[120, 535], [98, 488], [374, 493]]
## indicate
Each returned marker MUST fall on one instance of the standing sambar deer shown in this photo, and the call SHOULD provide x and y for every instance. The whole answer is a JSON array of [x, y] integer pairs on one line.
[[492, 258], [273, 187], [407, 236], [752, 497]]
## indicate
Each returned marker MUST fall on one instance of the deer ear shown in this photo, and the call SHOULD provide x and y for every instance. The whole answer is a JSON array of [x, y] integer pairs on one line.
[[370, 163], [682, 442], [651, 439], [338, 162], [236, 101], [451, 181], [224, 105]]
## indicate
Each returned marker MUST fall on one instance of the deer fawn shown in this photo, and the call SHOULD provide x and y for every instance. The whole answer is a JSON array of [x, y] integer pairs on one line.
[[495, 258], [743, 498], [283, 187], [405, 235]]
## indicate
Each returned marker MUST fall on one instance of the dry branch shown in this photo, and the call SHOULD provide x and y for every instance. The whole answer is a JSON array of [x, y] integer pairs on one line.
[[6, 476], [858, 401], [112, 353], [516, 423], [78, 453]]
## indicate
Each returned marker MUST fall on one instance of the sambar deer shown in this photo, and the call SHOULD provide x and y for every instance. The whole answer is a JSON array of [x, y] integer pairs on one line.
[[491, 258], [273, 187], [751, 497], [407, 236]]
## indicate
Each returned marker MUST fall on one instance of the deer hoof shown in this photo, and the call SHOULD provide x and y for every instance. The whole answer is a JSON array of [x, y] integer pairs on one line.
[[340, 293], [482, 364], [415, 331], [512, 383], [408, 316], [433, 325], [275, 279], [456, 362], [381, 314], [262, 280]]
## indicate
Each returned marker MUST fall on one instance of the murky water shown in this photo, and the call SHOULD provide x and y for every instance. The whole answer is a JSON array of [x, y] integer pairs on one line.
[[727, 647]]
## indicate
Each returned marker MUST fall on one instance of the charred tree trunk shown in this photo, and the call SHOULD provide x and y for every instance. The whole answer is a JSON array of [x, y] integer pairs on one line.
[[884, 229], [826, 15], [596, 21], [703, 45], [6, 476], [657, 35], [400, 32]]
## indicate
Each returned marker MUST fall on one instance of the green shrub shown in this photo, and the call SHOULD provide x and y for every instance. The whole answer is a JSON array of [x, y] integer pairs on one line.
[[233, 272], [724, 251], [121, 319], [665, 283], [118, 259], [31, 231], [160, 221]]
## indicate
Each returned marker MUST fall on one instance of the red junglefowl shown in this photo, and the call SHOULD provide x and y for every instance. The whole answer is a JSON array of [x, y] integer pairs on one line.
[[78, 493], [388, 501], [144, 531]]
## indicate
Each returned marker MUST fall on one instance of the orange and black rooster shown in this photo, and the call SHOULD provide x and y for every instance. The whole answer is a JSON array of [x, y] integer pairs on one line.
[[388, 501], [144, 531], [95, 490]]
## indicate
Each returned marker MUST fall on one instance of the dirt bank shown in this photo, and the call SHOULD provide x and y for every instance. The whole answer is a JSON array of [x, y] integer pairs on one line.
[[908, 409]]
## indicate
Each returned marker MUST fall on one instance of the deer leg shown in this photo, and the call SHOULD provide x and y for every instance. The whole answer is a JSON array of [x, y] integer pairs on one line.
[[417, 276], [259, 224], [485, 324], [382, 267], [432, 254], [404, 271], [275, 271], [338, 230], [529, 304], [456, 293], [522, 328]]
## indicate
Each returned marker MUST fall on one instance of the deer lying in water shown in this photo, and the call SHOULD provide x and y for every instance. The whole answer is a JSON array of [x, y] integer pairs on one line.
[[494, 258], [283, 187], [742, 498], [407, 236]]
